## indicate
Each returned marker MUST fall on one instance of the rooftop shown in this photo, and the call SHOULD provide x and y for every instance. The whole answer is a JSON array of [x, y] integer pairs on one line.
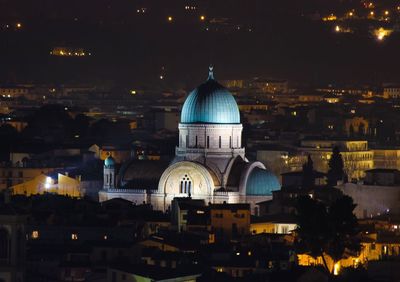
[[158, 273]]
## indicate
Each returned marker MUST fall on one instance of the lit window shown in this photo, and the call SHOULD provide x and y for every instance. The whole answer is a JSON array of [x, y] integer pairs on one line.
[[74, 236], [35, 234]]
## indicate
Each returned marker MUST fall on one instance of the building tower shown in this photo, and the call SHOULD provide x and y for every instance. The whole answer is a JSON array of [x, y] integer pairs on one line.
[[109, 173], [210, 123]]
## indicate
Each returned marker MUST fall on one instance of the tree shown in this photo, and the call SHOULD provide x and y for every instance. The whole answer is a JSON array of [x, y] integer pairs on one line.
[[361, 129], [335, 164], [308, 176], [327, 230], [351, 130]]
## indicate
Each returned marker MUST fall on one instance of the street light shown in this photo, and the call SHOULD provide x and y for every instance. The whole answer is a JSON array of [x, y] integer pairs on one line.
[[48, 182]]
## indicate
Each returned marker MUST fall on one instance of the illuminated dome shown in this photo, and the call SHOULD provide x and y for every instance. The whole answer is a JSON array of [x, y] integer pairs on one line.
[[109, 162], [261, 183], [210, 103]]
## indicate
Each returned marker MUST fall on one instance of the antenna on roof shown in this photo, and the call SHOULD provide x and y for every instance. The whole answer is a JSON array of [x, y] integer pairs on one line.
[[210, 72]]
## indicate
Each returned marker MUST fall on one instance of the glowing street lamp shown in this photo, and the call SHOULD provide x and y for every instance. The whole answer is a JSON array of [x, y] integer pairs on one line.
[[170, 19], [48, 182], [381, 33], [202, 18], [336, 269]]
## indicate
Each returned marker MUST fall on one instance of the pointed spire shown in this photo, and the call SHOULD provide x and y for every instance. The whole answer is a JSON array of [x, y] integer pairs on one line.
[[210, 72]]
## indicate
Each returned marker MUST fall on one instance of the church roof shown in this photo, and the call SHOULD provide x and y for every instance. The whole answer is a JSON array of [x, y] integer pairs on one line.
[[142, 174], [261, 182], [210, 103], [109, 162]]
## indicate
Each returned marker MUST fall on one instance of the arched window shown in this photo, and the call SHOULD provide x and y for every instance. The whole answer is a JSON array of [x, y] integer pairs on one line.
[[4, 239], [185, 185]]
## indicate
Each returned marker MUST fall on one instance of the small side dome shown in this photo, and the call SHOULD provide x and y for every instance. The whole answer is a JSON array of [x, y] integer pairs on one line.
[[261, 183], [109, 162]]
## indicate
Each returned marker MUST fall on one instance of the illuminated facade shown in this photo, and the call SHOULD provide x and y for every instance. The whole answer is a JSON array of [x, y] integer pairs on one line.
[[210, 162], [378, 194], [62, 185], [387, 158], [357, 157], [391, 92], [69, 52], [373, 248]]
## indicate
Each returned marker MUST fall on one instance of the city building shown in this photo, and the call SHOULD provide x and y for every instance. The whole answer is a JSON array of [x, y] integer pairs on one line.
[[209, 163], [277, 223], [12, 175], [391, 91], [15, 91], [387, 158], [357, 157], [230, 221], [60, 184], [271, 85], [281, 159], [377, 195]]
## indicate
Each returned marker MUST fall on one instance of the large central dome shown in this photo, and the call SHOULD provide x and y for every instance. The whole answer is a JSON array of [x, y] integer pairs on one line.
[[210, 103]]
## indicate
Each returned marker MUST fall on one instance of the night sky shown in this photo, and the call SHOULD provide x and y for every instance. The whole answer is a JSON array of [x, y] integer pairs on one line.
[[277, 39]]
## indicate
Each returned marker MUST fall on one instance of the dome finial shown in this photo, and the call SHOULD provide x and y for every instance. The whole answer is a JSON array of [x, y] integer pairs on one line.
[[210, 72]]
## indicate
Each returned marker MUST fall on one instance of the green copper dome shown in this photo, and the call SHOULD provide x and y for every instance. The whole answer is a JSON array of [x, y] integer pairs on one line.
[[261, 183], [109, 162], [210, 103]]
